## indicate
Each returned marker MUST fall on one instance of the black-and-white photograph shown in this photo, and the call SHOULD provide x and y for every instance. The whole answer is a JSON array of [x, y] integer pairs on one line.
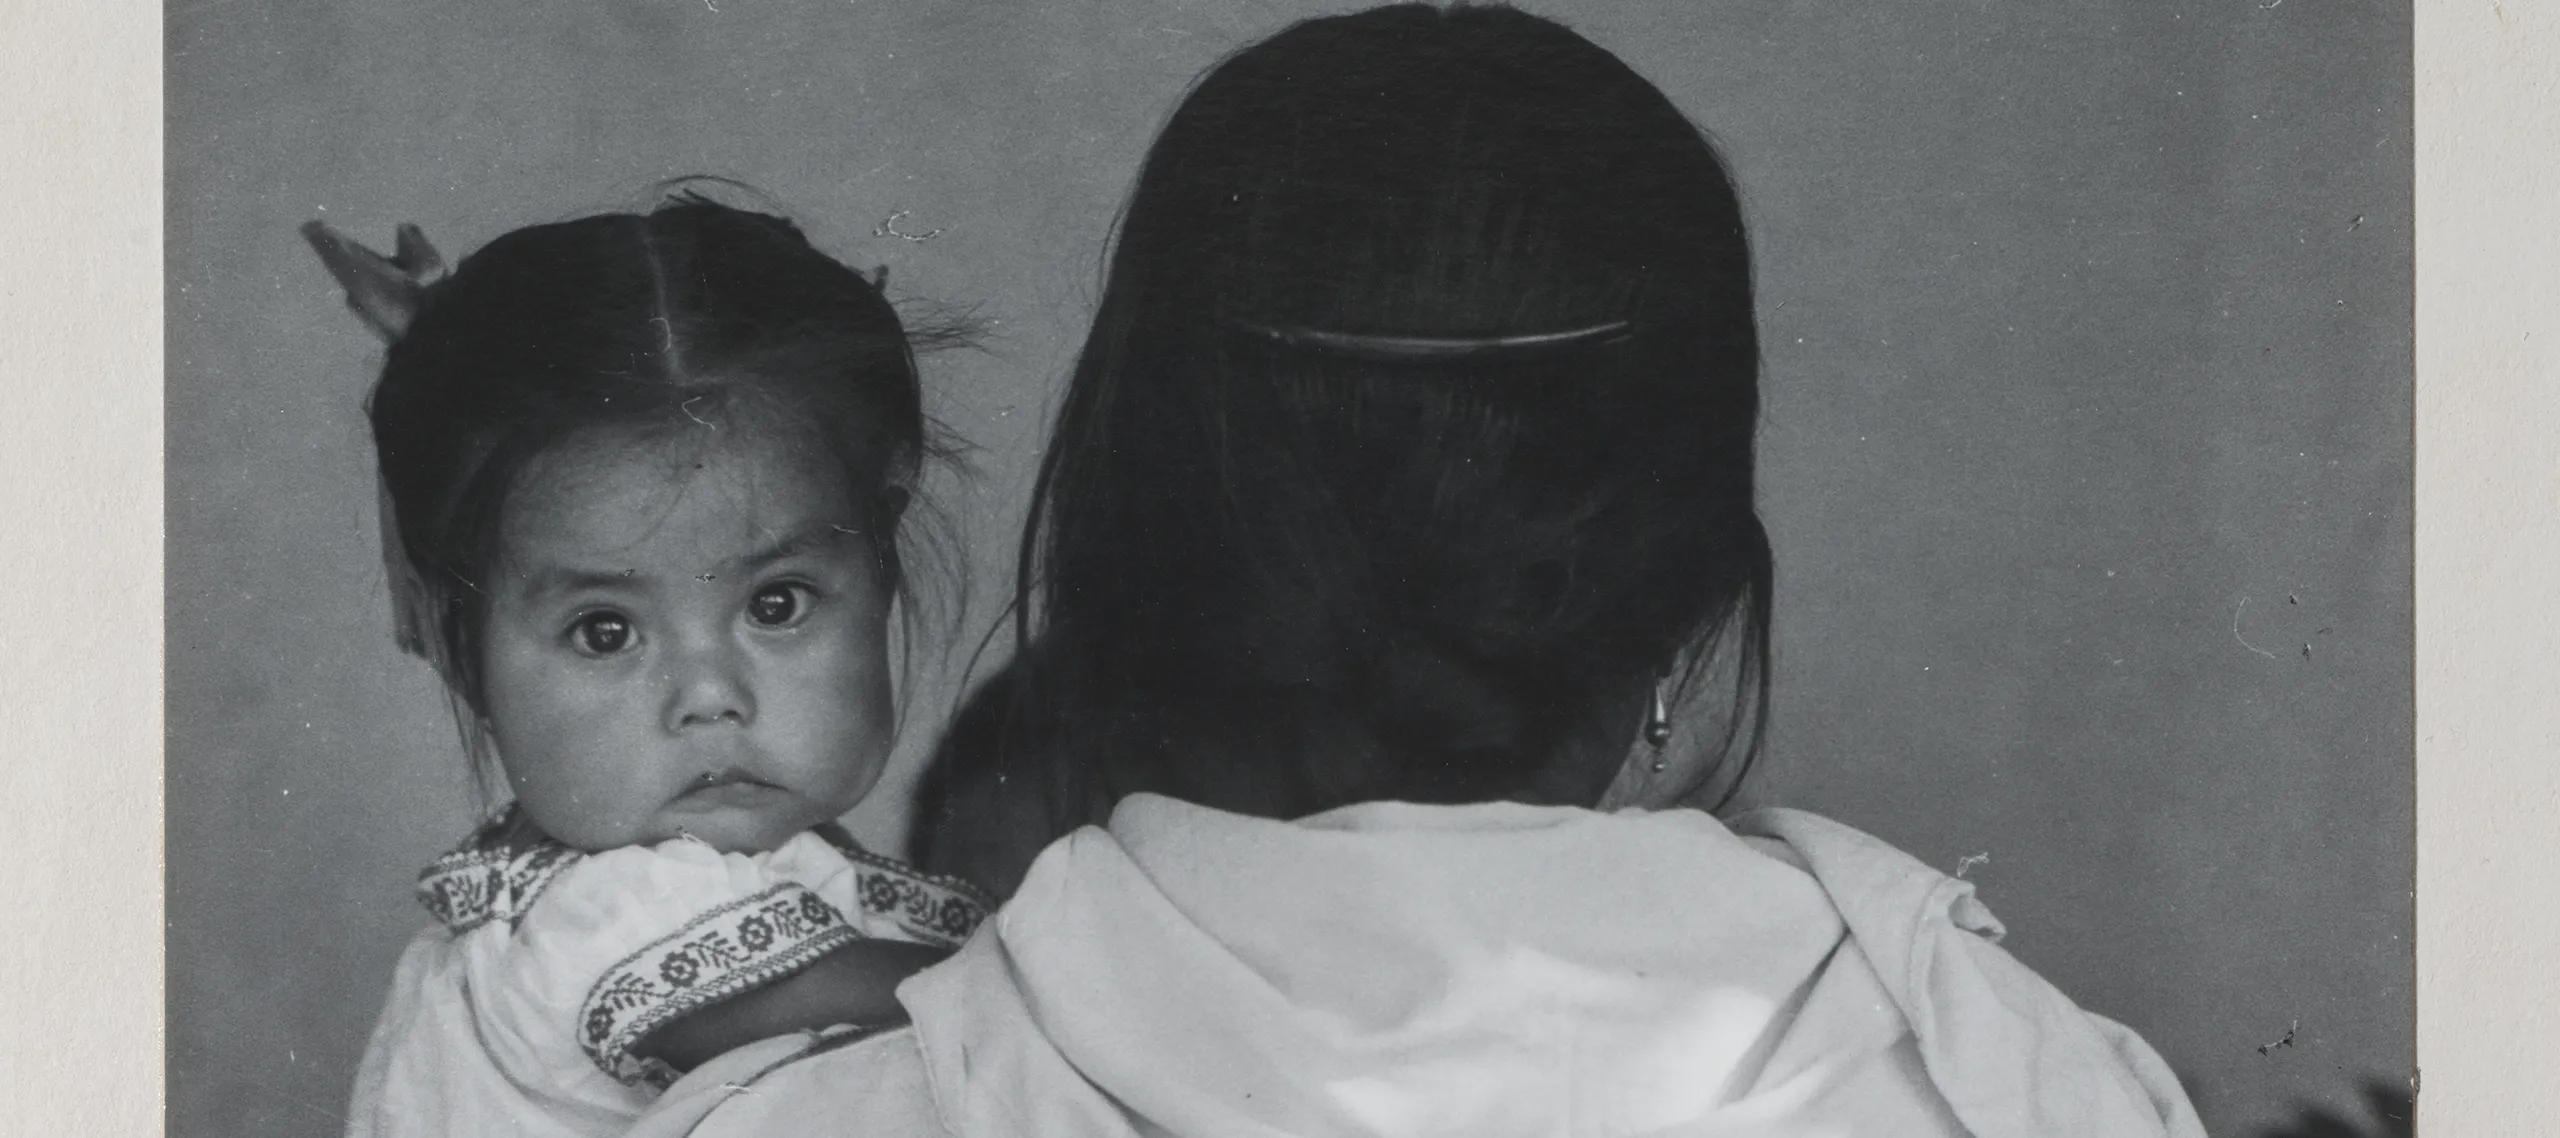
[[1258, 567]]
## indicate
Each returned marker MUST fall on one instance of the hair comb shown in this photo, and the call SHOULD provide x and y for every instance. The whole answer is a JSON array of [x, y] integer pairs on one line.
[[1426, 348]]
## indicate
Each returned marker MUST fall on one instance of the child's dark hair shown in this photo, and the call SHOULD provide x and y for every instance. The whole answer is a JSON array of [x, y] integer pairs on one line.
[[1310, 532], [651, 322]]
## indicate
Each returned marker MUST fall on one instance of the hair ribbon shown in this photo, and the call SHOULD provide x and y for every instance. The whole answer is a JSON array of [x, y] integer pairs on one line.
[[383, 291]]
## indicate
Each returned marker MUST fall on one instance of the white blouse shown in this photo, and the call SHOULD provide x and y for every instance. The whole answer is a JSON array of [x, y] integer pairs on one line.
[[516, 1013]]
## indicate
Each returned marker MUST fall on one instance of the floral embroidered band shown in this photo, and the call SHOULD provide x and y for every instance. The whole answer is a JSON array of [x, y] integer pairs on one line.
[[930, 908], [489, 879], [719, 954], [756, 941], [738, 946]]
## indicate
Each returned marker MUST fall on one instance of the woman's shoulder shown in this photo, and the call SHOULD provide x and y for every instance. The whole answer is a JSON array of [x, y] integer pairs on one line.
[[1863, 871], [1989, 1028]]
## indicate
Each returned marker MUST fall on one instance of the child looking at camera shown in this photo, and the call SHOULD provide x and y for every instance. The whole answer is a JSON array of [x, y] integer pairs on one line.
[[644, 477]]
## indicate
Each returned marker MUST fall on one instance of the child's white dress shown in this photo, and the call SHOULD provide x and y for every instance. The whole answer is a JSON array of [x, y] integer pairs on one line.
[[516, 1013]]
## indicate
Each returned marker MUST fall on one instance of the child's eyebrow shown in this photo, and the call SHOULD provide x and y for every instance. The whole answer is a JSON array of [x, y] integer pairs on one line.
[[797, 542], [557, 579]]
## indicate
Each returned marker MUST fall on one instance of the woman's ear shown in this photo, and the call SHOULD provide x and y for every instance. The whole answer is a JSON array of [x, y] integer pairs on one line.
[[1661, 776], [384, 291]]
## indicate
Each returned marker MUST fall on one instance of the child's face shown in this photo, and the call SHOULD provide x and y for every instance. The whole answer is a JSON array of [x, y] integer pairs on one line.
[[688, 638]]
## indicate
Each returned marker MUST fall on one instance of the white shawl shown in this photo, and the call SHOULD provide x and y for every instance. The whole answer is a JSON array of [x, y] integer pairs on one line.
[[1490, 970]]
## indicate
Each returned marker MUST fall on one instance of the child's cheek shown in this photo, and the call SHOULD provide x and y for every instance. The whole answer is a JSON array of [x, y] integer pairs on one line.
[[585, 754], [833, 704], [543, 684]]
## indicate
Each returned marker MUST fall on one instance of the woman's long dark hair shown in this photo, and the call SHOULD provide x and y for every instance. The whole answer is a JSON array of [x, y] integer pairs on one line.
[[1282, 555]]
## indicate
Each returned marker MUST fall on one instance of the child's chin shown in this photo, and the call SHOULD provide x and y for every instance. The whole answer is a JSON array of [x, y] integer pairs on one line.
[[739, 833]]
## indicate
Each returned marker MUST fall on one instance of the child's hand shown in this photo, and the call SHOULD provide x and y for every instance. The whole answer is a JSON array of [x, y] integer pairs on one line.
[[855, 984]]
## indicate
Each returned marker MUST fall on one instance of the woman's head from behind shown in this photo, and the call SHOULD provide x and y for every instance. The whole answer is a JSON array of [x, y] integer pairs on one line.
[[646, 473], [1413, 442]]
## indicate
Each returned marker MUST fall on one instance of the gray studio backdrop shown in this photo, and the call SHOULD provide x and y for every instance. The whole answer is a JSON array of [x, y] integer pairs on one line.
[[2087, 443]]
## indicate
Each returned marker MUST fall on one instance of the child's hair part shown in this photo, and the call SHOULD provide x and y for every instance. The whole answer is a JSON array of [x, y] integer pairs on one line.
[[693, 316], [1273, 571]]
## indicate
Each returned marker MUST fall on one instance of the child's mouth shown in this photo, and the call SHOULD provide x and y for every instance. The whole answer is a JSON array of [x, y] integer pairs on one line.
[[730, 788]]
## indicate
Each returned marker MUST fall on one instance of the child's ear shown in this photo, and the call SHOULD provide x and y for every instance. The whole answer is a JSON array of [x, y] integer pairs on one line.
[[383, 291], [891, 506], [413, 606]]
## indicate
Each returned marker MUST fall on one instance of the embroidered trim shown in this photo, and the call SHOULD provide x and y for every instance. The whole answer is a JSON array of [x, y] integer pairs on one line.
[[928, 912], [728, 950], [932, 908], [492, 877]]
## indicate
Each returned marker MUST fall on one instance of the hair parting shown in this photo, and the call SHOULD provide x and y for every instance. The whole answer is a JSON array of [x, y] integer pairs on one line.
[[685, 317]]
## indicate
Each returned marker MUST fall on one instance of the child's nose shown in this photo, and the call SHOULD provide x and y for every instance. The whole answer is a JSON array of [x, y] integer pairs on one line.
[[709, 686]]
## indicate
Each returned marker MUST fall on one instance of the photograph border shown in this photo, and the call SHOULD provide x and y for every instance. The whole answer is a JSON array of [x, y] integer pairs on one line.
[[81, 989]]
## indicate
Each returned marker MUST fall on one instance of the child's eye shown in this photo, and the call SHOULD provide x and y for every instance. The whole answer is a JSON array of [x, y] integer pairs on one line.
[[600, 634], [779, 606]]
